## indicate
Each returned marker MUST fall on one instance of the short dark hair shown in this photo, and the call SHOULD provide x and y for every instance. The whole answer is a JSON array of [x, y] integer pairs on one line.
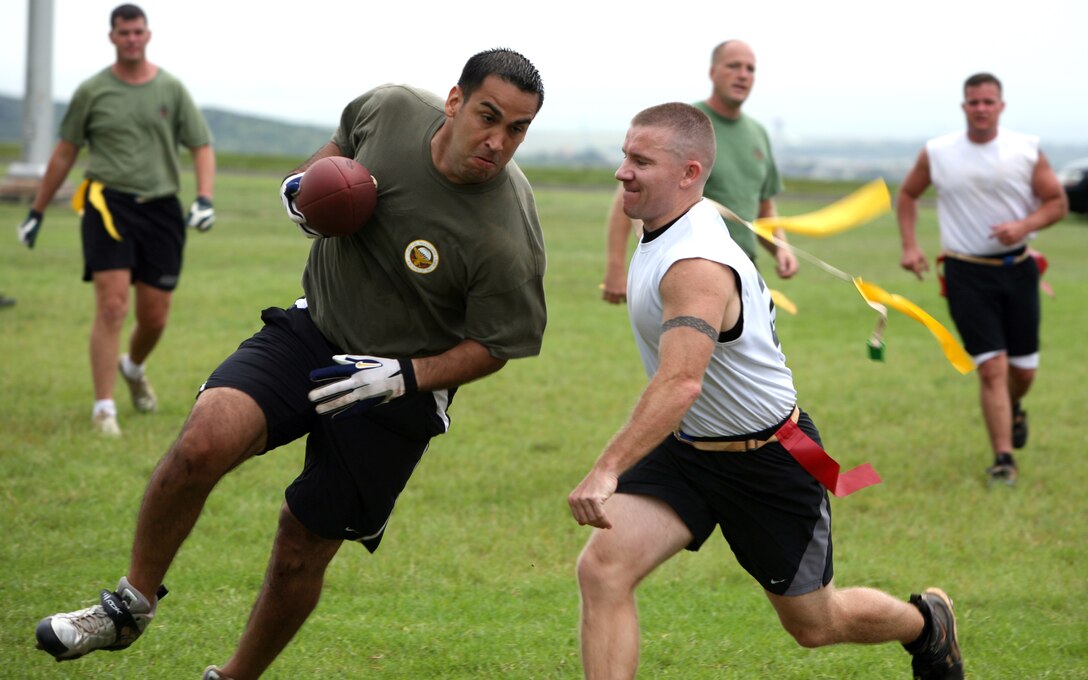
[[981, 79], [126, 12], [506, 64], [693, 133]]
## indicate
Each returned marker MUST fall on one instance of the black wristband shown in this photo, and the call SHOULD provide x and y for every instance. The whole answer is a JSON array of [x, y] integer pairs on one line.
[[408, 372]]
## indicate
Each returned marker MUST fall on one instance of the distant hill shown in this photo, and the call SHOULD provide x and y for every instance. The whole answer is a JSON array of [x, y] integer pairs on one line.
[[825, 159], [233, 132]]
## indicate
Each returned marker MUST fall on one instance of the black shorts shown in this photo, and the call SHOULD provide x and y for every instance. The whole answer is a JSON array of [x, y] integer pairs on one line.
[[146, 237], [357, 465], [775, 515], [996, 309]]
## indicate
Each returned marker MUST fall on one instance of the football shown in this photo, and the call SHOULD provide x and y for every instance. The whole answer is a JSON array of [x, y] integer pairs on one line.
[[337, 196]]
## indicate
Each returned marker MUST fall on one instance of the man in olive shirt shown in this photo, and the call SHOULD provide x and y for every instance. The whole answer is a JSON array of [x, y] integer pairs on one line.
[[133, 115], [442, 286], [744, 177]]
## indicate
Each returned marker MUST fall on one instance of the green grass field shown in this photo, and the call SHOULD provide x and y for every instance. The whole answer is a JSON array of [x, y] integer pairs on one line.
[[475, 578]]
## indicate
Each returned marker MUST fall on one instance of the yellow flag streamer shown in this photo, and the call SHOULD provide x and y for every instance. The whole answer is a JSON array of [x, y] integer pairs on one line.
[[94, 195], [875, 295], [864, 204], [853, 210], [782, 302]]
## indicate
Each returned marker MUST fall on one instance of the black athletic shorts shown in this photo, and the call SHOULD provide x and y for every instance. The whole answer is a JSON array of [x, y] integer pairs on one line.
[[146, 237], [775, 515], [356, 465], [995, 308]]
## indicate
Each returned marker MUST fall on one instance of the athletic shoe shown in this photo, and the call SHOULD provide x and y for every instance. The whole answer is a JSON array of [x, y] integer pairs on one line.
[[1003, 470], [6, 301], [113, 624], [213, 673], [105, 423], [1019, 426], [939, 658], [143, 397]]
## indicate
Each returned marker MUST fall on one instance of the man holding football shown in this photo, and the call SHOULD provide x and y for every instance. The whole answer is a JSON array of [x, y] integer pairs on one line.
[[442, 286]]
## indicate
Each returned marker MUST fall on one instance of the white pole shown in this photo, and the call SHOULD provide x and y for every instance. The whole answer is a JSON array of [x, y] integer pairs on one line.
[[38, 100], [38, 136]]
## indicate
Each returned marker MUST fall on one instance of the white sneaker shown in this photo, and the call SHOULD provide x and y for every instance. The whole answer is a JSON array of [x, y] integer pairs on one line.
[[143, 397], [213, 673], [105, 423], [114, 624]]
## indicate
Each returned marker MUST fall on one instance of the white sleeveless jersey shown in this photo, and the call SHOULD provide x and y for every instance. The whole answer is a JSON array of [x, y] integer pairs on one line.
[[747, 386], [980, 186]]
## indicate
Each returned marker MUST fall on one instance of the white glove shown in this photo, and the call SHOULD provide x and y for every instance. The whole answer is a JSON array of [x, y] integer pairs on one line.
[[28, 230], [288, 191], [361, 382], [201, 214]]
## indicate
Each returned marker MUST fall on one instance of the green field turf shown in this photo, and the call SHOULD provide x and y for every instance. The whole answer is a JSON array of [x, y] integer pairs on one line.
[[475, 577]]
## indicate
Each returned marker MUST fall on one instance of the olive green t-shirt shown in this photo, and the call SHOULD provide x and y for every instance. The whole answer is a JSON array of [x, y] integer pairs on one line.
[[133, 131], [438, 262], [744, 172]]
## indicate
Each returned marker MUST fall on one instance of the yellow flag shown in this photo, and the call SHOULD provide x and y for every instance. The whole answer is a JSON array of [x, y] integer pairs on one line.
[[875, 295], [782, 302], [855, 209]]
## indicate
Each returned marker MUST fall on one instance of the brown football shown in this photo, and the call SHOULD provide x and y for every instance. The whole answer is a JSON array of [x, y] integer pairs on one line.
[[337, 196]]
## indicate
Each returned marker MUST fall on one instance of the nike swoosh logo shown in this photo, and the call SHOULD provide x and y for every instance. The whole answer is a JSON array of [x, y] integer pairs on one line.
[[777, 581]]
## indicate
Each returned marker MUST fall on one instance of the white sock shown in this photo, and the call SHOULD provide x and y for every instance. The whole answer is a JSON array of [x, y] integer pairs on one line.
[[106, 405], [130, 369]]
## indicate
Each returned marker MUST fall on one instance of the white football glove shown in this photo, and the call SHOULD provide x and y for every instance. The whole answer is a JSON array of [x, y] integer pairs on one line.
[[288, 191], [28, 230], [361, 382], [201, 214]]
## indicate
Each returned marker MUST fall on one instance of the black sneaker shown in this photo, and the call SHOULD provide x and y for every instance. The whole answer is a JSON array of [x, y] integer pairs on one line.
[[1003, 470], [939, 658], [1019, 426]]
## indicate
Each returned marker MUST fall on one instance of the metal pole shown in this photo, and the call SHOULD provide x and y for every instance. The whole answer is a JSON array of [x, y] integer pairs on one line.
[[38, 101], [38, 136]]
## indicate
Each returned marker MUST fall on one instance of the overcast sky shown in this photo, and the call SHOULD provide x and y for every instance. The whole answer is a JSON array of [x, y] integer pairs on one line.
[[830, 69]]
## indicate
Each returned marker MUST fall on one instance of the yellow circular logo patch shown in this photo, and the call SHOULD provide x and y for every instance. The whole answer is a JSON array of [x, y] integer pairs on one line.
[[421, 256]]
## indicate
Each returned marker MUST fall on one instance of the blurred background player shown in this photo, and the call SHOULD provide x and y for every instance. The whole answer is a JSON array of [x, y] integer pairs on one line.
[[132, 115], [995, 189], [442, 286], [744, 178]]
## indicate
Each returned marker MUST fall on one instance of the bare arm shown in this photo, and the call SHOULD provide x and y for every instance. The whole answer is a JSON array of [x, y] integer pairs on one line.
[[1053, 205], [701, 294], [60, 164], [462, 363], [204, 168], [619, 225], [785, 262], [906, 211]]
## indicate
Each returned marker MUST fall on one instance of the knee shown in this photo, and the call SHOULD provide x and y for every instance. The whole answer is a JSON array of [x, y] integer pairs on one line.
[[809, 636], [112, 310], [994, 370], [198, 456], [299, 552], [600, 573], [154, 323]]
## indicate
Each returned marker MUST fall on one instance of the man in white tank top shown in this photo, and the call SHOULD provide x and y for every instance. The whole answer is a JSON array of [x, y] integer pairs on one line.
[[717, 438], [995, 189]]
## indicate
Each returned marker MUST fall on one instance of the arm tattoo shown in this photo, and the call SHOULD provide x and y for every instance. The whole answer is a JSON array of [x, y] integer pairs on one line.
[[693, 323]]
